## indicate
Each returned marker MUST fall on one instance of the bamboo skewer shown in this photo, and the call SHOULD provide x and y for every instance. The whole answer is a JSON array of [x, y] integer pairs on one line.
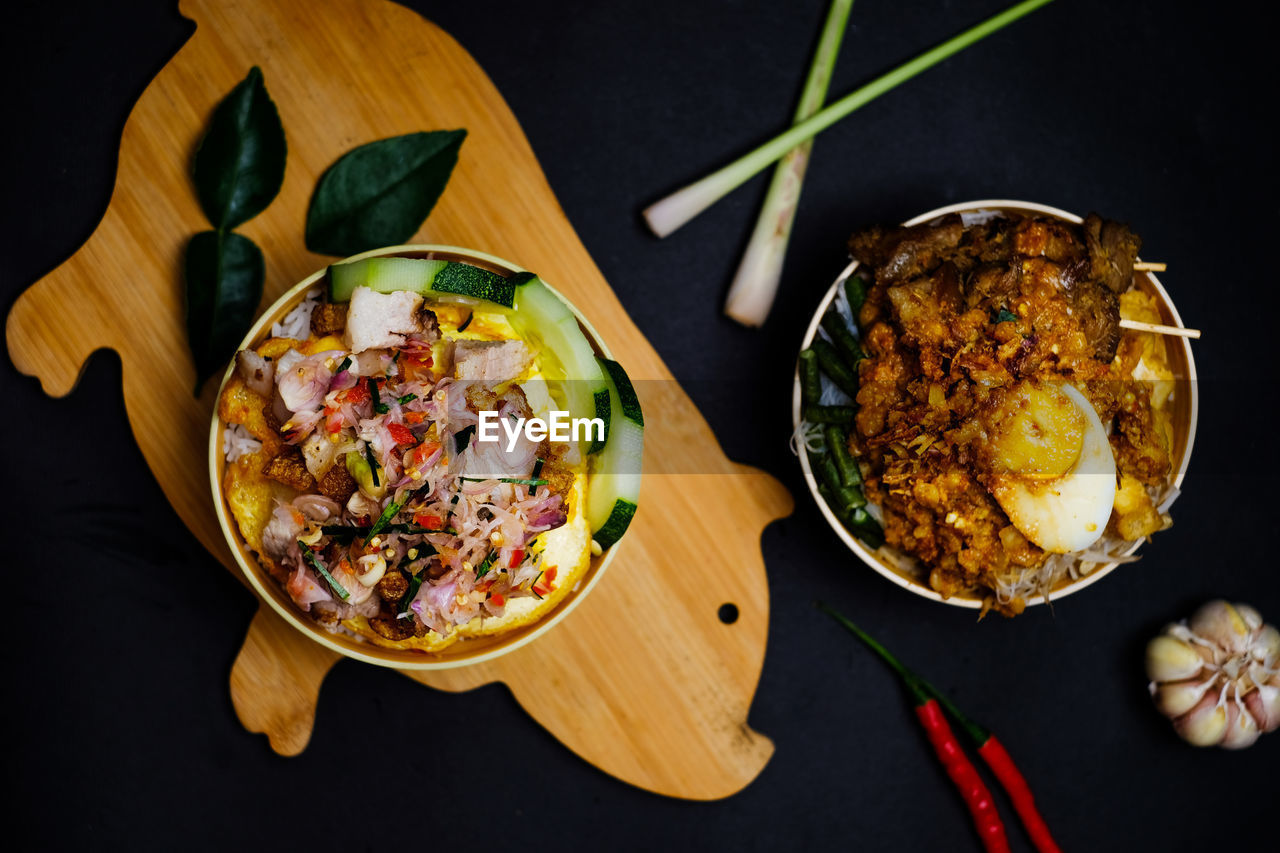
[[1159, 329]]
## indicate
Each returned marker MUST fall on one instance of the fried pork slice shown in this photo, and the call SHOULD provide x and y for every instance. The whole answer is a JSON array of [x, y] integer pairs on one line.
[[328, 318], [337, 483], [382, 320], [491, 361], [291, 469]]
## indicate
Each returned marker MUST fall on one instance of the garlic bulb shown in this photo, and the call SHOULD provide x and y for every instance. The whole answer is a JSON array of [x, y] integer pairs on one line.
[[1217, 676]]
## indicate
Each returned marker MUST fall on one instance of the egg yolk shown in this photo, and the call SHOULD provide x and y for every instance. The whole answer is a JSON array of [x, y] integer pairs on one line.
[[1037, 432]]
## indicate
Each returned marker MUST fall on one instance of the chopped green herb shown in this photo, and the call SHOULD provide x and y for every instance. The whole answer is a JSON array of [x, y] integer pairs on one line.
[[345, 533], [466, 322], [518, 481], [415, 583], [385, 519], [346, 362], [462, 438], [537, 469], [378, 406], [373, 463], [483, 568], [339, 589], [406, 398], [1006, 316]]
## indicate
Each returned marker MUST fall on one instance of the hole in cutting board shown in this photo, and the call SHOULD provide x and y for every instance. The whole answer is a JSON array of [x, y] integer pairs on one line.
[[728, 613]]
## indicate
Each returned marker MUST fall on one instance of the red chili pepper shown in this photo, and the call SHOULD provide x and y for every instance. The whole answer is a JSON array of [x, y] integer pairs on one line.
[[1001, 764], [430, 522], [1010, 778], [991, 750], [356, 394], [517, 557], [401, 434], [497, 599], [546, 583], [986, 820]]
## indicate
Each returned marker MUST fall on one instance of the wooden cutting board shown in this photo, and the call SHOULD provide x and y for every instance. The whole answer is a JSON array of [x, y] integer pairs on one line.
[[643, 679]]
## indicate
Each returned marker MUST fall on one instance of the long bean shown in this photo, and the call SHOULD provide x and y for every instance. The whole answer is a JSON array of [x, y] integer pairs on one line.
[[843, 339], [828, 414], [838, 450], [810, 378], [833, 365], [855, 290]]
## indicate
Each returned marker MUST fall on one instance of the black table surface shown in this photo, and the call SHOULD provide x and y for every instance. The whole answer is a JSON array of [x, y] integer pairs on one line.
[[118, 723]]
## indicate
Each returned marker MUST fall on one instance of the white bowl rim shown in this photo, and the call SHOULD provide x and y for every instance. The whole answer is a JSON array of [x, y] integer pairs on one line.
[[867, 555], [256, 575]]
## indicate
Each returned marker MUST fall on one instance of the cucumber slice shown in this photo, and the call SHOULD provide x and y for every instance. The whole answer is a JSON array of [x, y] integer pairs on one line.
[[613, 492], [429, 278], [544, 320]]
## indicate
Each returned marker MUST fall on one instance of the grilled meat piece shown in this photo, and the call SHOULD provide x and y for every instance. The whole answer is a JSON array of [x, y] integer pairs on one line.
[[1097, 308], [899, 254], [1113, 248]]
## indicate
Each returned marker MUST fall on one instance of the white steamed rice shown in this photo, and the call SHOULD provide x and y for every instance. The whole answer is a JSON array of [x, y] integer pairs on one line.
[[297, 323]]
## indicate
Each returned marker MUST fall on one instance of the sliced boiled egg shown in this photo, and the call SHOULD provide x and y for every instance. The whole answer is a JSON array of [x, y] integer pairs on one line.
[[1052, 469]]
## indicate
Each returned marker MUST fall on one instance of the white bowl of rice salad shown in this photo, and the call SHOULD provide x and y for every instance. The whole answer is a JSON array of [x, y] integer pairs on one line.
[[935, 365], [424, 457]]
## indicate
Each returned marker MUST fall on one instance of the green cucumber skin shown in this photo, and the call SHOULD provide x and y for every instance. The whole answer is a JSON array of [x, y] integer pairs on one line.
[[605, 413], [419, 275], [540, 315], [616, 525], [630, 403], [466, 280], [614, 488]]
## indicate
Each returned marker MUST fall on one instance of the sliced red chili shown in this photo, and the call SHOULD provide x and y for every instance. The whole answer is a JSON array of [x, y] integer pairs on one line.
[[517, 557], [430, 522], [356, 394], [401, 434]]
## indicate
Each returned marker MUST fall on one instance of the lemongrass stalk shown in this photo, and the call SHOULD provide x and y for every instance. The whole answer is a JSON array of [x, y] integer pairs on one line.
[[756, 282], [678, 208]]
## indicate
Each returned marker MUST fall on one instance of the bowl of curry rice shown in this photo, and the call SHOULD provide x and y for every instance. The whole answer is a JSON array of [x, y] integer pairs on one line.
[[982, 412]]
